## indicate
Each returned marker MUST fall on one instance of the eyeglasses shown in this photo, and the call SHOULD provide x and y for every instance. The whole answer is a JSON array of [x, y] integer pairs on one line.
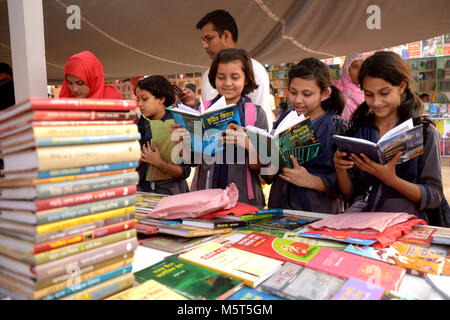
[[209, 38]]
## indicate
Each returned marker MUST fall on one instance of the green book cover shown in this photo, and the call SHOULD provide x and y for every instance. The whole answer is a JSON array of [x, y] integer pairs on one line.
[[190, 280]]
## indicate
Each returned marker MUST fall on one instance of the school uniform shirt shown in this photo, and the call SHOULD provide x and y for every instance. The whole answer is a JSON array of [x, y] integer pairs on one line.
[[289, 196], [221, 175], [260, 96], [370, 194], [169, 186]]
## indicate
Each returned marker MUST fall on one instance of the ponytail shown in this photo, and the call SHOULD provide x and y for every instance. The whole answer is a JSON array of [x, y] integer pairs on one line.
[[335, 103]]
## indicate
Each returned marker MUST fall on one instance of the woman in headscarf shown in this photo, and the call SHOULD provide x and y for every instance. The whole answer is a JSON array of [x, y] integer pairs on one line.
[[84, 78], [348, 84]]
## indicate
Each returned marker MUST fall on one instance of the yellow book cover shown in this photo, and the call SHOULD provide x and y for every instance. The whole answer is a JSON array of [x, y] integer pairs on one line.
[[246, 266], [58, 131], [59, 225], [418, 258], [149, 290]]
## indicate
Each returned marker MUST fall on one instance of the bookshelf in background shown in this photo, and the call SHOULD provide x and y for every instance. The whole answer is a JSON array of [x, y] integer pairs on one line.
[[180, 79]]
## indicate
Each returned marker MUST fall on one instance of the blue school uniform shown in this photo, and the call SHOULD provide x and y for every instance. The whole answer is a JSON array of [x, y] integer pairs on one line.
[[169, 186], [289, 196]]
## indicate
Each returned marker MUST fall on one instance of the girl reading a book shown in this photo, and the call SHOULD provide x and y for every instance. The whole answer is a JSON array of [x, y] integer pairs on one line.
[[231, 74], [158, 172], [311, 186], [411, 186], [84, 78]]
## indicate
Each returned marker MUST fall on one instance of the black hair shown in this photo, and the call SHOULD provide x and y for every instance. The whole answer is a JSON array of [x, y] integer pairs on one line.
[[232, 54], [314, 69], [390, 67], [159, 87], [222, 20], [5, 68]]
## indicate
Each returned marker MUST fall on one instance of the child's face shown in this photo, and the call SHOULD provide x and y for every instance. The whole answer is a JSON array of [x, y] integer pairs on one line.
[[305, 96], [151, 107], [230, 80], [77, 86], [382, 97]]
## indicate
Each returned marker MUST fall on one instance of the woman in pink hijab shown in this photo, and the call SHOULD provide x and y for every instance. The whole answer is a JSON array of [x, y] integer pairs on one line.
[[348, 84], [84, 78]]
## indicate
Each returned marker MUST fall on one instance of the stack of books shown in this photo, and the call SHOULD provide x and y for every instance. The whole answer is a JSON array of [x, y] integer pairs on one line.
[[145, 203], [67, 228]]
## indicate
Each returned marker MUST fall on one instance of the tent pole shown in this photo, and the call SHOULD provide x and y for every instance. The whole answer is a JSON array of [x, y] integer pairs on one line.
[[26, 25]]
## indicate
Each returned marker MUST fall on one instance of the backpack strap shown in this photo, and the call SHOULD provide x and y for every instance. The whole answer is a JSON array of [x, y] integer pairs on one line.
[[250, 119]]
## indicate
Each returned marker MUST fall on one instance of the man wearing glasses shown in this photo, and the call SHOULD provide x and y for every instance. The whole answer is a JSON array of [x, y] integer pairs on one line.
[[219, 31]]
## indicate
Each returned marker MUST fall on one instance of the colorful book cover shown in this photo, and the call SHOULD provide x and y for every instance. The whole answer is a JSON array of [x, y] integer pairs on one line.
[[252, 228], [293, 236], [247, 293], [149, 290], [296, 282], [419, 236], [278, 248], [286, 223], [191, 231], [416, 260], [355, 289], [346, 265], [190, 280], [246, 266]]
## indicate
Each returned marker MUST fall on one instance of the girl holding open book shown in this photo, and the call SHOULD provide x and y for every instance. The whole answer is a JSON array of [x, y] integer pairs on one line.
[[158, 172], [313, 185], [411, 186], [231, 73]]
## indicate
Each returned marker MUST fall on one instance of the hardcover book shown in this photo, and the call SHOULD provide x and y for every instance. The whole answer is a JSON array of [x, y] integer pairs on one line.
[[296, 282], [346, 265], [278, 248], [405, 138], [246, 266], [295, 136], [214, 223], [355, 289], [205, 127], [190, 280]]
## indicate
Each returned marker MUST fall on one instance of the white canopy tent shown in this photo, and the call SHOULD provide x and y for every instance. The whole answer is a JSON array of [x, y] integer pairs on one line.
[[137, 37]]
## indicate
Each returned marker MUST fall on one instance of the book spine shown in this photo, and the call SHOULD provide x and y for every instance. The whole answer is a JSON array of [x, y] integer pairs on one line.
[[84, 236], [86, 130], [50, 236], [89, 283], [104, 289], [81, 140], [75, 263], [82, 123], [87, 169], [231, 224], [82, 104], [146, 230], [78, 279], [76, 276], [85, 246], [58, 189], [260, 216], [55, 226], [84, 155], [199, 233], [81, 176], [40, 115], [64, 213], [84, 197]]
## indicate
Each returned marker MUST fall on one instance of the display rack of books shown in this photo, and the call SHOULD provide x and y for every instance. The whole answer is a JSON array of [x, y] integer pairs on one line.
[[440, 113], [278, 76], [67, 228], [180, 79]]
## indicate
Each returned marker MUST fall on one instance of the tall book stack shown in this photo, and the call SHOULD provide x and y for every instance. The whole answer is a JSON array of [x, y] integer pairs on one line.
[[145, 203], [67, 228]]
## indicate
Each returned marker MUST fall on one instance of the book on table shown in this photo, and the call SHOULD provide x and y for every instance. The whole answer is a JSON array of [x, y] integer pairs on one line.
[[175, 244], [405, 138], [190, 231], [295, 135], [205, 126], [215, 223]]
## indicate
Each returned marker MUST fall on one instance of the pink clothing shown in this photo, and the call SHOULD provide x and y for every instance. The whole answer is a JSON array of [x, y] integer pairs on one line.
[[352, 93]]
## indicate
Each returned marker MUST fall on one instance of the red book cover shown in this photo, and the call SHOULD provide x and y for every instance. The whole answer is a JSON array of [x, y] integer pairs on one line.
[[278, 248], [84, 236], [421, 236], [238, 210], [346, 265], [146, 229], [79, 198], [67, 104]]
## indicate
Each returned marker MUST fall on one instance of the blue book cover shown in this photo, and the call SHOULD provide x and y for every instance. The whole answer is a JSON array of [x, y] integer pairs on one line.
[[247, 293], [102, 138], [205, 129], [87, 169], [89, 283], [362, 242]]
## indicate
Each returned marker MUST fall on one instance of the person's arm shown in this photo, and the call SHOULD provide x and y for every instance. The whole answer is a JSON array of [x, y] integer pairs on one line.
[[300, 177], [154, 158], [341, 165]]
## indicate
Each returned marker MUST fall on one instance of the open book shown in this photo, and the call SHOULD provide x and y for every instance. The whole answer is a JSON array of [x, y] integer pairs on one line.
[[295, 135], [205, 126], [405, 138]]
